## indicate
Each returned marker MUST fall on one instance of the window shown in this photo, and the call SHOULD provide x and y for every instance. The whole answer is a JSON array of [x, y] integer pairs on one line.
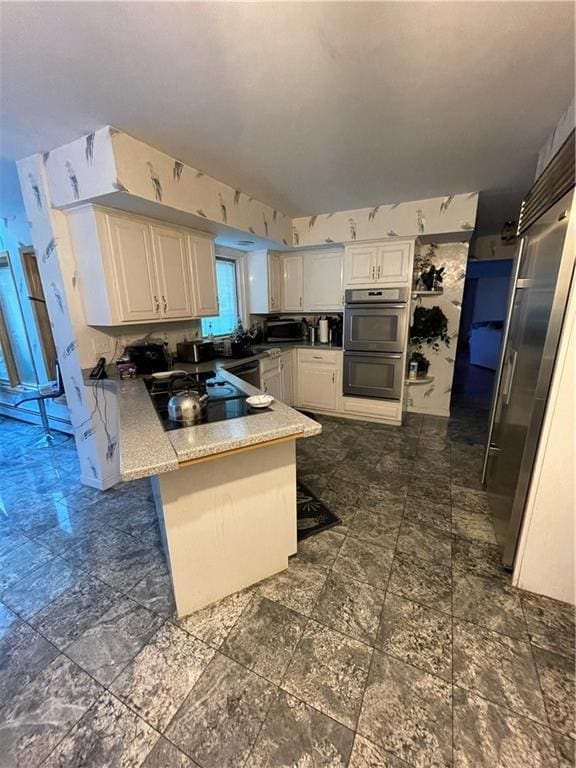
[[16, 366], [227, 280]]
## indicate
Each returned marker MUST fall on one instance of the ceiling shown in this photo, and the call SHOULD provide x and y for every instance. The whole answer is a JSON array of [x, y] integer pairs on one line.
[[311, 107]]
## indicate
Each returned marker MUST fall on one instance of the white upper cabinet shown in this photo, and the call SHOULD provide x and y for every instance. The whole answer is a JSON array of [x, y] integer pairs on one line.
[[360, 265], [292, 282], [323, 291], [173, 271], [387, 263], [395, 263], [132, 269], [136, 270], [275, 281], [264, 281], [205, 288]]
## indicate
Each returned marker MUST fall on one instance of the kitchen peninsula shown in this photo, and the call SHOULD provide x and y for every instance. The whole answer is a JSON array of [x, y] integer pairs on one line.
[[225, 492]]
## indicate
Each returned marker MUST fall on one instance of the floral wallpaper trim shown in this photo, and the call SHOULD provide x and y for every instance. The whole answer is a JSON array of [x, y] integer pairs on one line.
[[108, 161], [451, 214]]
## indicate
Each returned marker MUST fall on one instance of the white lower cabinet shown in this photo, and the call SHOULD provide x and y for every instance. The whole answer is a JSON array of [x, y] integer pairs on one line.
[[271, 377], [319, 379], [287, 369]]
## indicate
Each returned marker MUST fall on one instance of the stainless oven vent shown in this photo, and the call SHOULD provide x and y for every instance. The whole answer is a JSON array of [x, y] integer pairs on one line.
[[551, 186]]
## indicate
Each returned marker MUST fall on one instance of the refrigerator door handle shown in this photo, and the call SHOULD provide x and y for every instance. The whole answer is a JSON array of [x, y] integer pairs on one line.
[[498, 378], [510, 377]]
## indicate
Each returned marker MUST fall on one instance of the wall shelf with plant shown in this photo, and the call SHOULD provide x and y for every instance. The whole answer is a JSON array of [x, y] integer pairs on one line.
[[429, 330]]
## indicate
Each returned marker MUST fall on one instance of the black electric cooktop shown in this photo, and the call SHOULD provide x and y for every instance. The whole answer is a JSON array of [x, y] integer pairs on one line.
[[225, 401]]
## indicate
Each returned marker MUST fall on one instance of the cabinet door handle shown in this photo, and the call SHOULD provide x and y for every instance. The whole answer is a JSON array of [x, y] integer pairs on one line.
[[317, 357], [378, 271], [333, 378], [373, 272], [165, 303], [300, 300], [157, 304]]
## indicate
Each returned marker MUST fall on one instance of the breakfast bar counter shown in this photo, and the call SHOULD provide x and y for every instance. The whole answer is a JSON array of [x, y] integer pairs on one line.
[[225, 492]]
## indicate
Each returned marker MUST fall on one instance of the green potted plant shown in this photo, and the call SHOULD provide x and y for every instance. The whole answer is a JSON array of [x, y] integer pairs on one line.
[[429, 329]]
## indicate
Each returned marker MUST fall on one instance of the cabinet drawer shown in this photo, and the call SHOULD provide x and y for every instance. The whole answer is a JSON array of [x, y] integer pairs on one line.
[[325, 356], [362, 406]]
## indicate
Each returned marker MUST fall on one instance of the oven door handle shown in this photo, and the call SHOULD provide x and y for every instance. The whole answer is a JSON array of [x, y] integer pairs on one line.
[[377, 305], [383, 355]]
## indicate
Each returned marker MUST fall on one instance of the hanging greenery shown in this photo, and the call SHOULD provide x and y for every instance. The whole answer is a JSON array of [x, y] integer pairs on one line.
[[429, 329]]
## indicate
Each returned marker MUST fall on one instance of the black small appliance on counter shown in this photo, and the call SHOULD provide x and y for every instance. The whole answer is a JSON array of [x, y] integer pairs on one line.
[[195, 351], [149, 355]]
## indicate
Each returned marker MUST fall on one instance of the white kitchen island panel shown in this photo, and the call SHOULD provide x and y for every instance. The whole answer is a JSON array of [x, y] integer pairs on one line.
[[227, 523]]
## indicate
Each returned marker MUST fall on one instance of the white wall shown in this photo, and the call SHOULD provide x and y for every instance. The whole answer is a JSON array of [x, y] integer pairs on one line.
[[491, 247], [545, 563]]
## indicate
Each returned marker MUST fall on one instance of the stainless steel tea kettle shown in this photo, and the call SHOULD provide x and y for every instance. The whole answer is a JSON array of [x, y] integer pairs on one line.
[[185, 404]]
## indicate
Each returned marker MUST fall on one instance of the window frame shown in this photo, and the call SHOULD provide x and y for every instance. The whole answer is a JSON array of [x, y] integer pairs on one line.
[[227, 254], [13, 380]]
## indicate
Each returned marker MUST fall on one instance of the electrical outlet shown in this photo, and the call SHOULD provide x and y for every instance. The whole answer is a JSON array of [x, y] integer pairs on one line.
[[102, 346]]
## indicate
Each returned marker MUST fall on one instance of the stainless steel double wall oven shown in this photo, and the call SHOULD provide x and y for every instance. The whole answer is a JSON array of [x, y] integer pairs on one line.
[[375, 322]]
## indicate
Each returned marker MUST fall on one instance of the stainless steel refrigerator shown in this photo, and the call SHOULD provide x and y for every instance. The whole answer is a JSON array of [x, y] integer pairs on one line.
[[541, 278]]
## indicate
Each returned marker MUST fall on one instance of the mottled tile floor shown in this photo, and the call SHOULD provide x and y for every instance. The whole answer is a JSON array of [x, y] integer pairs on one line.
[[394, 639]]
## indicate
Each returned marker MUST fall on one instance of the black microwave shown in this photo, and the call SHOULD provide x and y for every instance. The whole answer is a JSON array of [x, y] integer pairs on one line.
[[284, 330]]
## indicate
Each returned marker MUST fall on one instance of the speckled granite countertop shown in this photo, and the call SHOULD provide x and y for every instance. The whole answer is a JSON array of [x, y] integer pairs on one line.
[[146, 449]]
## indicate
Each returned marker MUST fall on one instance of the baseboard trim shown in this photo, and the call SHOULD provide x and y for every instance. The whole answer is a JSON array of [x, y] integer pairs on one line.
[[101, 484], [430, 411]]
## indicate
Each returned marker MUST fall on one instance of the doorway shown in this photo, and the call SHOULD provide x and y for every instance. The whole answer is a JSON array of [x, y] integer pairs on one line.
[[484, 306]]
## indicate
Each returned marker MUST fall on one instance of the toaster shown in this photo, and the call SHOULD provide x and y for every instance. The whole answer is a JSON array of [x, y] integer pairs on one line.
[[149, 355], [195, 351]]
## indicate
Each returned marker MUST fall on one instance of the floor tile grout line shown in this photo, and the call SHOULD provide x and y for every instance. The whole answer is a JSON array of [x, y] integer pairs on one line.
[[453, 618], [505, 707], [452, 621], [537, 669]]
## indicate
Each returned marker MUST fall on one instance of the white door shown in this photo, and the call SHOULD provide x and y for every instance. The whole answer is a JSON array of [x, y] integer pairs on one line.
[[173, 270], [293, 282], [317, 386], [393, 263], [133, 264], [274, 282], [287, 370], [204, 287], [360, 265], [323, 288]]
